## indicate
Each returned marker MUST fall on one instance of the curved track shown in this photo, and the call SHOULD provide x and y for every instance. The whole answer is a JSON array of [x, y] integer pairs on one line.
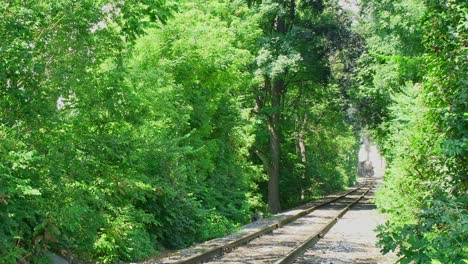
[[277, 240]]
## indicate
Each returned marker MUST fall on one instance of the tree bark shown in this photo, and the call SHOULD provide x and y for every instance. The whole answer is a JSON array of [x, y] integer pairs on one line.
[[276, 88], [300, 138], [274, 130]]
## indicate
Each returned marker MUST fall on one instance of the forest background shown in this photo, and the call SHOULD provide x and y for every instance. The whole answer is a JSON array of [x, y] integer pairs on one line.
[[129, 127]]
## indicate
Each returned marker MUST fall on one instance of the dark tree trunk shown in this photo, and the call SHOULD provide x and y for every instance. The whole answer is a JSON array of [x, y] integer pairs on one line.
[[276, 88], [274, 130], [301, 149]]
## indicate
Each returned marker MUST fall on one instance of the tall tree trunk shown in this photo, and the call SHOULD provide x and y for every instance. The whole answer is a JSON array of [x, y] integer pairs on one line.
[[276, 88], [301, 127], [301, 149], [274, 130]]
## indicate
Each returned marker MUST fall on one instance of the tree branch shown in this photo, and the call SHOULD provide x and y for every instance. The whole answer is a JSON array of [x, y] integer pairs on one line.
[[264, 159]]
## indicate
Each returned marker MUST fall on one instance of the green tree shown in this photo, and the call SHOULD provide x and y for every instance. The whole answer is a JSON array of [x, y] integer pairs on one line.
[[414, 83], [193, 72], [127, 126], [66, 123], [293, 78]]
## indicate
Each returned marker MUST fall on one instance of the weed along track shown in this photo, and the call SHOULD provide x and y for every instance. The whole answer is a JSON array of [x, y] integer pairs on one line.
[[279, 239]]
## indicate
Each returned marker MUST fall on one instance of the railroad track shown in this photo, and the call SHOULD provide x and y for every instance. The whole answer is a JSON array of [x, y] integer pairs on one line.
[[277, 240]]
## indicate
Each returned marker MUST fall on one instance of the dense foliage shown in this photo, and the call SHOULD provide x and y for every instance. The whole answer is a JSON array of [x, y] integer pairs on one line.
[[412, 92], [131, 126]]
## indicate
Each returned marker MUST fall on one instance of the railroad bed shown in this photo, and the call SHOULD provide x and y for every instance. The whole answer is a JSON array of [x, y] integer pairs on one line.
[[279, 239]]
